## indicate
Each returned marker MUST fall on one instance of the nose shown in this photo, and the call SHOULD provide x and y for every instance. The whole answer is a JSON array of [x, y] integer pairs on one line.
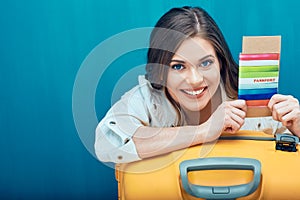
[[195, 76]]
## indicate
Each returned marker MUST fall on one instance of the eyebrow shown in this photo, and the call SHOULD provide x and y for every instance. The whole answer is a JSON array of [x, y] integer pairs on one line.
[[182, 61], [178, 61]]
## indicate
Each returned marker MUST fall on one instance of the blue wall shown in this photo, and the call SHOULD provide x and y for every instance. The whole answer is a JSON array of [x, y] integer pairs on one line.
[[42, 46]]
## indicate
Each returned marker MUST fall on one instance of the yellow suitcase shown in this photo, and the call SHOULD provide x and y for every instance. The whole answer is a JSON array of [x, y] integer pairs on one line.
[[247, 165]]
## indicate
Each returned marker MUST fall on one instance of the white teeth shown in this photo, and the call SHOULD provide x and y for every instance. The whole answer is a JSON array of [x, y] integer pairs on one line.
[[194, 92]]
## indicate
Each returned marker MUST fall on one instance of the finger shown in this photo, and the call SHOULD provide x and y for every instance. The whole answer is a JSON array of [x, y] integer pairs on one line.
[[279, 110], [240, 104], [231, 129], [239, 120], [239, 113], [277, 98], [234, 117], [282, 108], [282, 111], [276, 102], [290, 117], [231, 125], [287, 119]]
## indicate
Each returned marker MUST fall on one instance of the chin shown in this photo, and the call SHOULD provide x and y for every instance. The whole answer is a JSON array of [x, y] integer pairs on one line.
[[194, 108]]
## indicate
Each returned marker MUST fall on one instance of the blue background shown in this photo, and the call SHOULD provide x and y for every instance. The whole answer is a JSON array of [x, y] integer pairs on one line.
[[42, 46]]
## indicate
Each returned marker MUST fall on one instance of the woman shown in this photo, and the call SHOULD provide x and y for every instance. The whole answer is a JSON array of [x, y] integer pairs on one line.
[[187, 97]]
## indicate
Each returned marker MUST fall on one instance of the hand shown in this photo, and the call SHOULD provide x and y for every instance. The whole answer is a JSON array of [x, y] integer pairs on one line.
[[285, 108], [229, 116]]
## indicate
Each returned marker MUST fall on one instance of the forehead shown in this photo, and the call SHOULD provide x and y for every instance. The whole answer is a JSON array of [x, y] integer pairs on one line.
[[194, 48]]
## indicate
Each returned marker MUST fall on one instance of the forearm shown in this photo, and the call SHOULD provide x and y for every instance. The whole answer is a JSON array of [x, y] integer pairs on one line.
[[150, 141]]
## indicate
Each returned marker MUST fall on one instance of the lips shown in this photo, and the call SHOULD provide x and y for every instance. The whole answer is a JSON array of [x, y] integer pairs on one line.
[[194, 92]]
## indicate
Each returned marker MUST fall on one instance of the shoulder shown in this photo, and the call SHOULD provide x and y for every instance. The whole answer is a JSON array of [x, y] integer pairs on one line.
[[144, 91], [142, 100], [153, 102]]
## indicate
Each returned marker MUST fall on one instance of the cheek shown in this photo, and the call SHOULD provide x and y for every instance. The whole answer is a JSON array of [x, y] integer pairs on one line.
[[173, 95], [213, 75], [172, 84], [173, 80], [171, 88]]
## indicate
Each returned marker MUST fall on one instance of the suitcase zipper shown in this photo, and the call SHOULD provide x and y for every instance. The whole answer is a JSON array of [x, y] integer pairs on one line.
[[284, 141]]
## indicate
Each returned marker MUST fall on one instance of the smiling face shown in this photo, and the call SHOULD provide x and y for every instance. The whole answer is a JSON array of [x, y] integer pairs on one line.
[[194, 74]]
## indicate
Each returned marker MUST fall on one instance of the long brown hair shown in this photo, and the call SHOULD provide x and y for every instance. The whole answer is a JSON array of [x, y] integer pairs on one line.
[[172, 29]]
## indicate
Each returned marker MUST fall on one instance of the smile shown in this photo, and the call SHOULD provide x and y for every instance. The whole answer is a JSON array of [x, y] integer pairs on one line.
[[194, 92]]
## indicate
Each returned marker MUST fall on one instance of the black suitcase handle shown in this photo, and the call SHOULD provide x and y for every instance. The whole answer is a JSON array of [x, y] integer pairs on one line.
[[220, 192]]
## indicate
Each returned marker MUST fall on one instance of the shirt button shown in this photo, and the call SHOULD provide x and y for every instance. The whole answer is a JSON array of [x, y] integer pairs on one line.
[[112, 123], [120, 157], [126, 140]]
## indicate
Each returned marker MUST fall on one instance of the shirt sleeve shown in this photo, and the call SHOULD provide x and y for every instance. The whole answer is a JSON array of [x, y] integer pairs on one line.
[[113, 142]]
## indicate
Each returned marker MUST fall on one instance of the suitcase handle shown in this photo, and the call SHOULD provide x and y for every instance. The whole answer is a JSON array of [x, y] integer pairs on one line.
[[220, 192]]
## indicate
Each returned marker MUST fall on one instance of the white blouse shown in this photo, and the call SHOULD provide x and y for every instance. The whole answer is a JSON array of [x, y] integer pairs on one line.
[[145, 106]]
